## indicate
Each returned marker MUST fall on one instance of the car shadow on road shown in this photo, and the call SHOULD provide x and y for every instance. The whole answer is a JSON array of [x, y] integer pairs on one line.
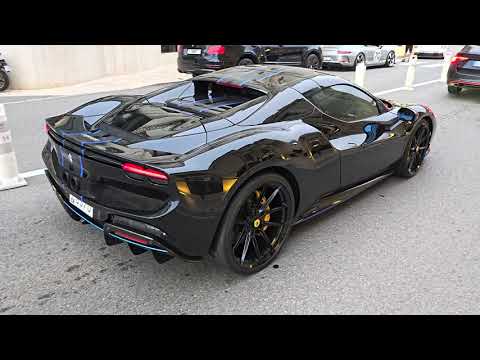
[[469, 96]]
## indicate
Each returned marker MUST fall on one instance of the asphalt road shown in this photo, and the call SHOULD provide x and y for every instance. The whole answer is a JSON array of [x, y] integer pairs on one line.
[[404, 246]]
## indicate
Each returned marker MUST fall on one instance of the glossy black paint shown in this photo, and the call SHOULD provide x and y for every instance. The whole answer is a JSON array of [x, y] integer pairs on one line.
[[326, 160], [291, 55]]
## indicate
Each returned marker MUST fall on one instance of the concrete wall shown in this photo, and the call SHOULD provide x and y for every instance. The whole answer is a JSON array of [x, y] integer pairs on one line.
[[48, 66]]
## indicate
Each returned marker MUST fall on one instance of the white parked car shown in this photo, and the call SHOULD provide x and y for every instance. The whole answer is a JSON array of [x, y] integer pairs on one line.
[[436, 51]]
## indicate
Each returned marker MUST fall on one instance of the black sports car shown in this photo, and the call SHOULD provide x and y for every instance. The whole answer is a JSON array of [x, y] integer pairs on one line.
[[226, 163]]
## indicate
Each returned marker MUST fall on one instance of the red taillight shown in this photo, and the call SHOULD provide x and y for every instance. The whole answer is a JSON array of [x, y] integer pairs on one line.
[[140, 170], [343, 52], [46, 127], [216, 50], [458, 58], [131, 237]]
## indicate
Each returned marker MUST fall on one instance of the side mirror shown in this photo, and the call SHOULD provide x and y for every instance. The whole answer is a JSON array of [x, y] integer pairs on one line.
[[405, 114]]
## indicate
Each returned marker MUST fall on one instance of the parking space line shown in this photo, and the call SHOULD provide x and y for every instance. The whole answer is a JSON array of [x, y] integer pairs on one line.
[[404, 88], [33, 173], [432, 65]]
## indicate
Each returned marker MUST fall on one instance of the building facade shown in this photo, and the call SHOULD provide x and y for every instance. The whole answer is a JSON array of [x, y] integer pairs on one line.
[[49, 66]]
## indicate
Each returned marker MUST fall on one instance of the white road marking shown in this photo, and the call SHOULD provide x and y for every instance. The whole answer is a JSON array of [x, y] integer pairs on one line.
[[432, 66], [404, 88], [37, 172], [33, 173], [406, 63]]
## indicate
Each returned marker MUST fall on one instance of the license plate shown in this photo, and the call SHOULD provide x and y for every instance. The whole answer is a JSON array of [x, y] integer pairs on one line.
[[194, 51], [476, 63], [327, 58], [79, 204]]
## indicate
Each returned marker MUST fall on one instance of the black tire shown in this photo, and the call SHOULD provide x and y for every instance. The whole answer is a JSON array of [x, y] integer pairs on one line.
[[313, 62], [4, 80], [257, 250], [455, 90], [416, 151], [360, 58], [390, 61], [245, 61]]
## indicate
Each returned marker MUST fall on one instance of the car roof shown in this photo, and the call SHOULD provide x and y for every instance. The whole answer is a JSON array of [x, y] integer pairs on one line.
[[267, 78]]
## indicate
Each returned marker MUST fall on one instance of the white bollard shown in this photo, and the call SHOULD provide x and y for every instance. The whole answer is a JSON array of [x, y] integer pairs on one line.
[[411, 72], [446, 65], [9, 177], [360, 71]]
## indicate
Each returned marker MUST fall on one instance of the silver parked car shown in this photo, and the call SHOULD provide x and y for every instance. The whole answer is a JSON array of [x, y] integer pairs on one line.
[[351, 55]]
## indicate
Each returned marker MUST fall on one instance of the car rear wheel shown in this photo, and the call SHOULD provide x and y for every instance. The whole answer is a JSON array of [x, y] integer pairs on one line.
[[390, 59], [245, 62], [417, 149], [4, 81], [455, 90], [359, 59], [313, 62], [256, 224]]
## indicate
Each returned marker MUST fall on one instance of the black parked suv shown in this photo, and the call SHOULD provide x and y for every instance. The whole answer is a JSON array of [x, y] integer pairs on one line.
[[200, 59], [464, 70]]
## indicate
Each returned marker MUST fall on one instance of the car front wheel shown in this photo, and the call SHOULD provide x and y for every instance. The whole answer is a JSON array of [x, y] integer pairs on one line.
[[256, 224], [390, 59], [418, 147]]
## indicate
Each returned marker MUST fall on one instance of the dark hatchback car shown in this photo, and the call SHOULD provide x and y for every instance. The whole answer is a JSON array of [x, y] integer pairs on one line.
[[464, 71], [200, 59]]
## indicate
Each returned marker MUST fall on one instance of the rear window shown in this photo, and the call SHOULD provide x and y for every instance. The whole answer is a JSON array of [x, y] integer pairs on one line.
[[472, 49], [92, 112]]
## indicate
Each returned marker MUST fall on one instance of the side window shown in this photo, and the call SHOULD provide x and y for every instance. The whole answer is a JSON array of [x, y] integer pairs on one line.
[[287, 105], [344, 102]]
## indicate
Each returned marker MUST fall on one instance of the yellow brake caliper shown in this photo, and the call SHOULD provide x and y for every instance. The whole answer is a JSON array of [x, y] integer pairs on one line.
[[266, 217]]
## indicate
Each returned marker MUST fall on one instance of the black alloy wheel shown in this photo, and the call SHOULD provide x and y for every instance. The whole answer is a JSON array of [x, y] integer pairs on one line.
[[417, 149], [245, 62], [313, 62], [256, 224]]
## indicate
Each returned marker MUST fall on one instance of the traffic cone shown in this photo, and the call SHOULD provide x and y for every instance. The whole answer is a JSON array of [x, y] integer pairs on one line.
[[9, 176], [411, 72], [360, 71]]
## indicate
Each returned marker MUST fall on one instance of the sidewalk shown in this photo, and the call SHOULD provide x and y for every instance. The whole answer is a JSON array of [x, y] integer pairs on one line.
[[161, 74]]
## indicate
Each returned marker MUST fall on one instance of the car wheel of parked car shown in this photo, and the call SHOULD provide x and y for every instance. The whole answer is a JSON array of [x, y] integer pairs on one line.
[[455, 90], [359, 59], [390, 59], [246, 61], [4, 81], [256, 224], [313, 62], [416, 151]]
